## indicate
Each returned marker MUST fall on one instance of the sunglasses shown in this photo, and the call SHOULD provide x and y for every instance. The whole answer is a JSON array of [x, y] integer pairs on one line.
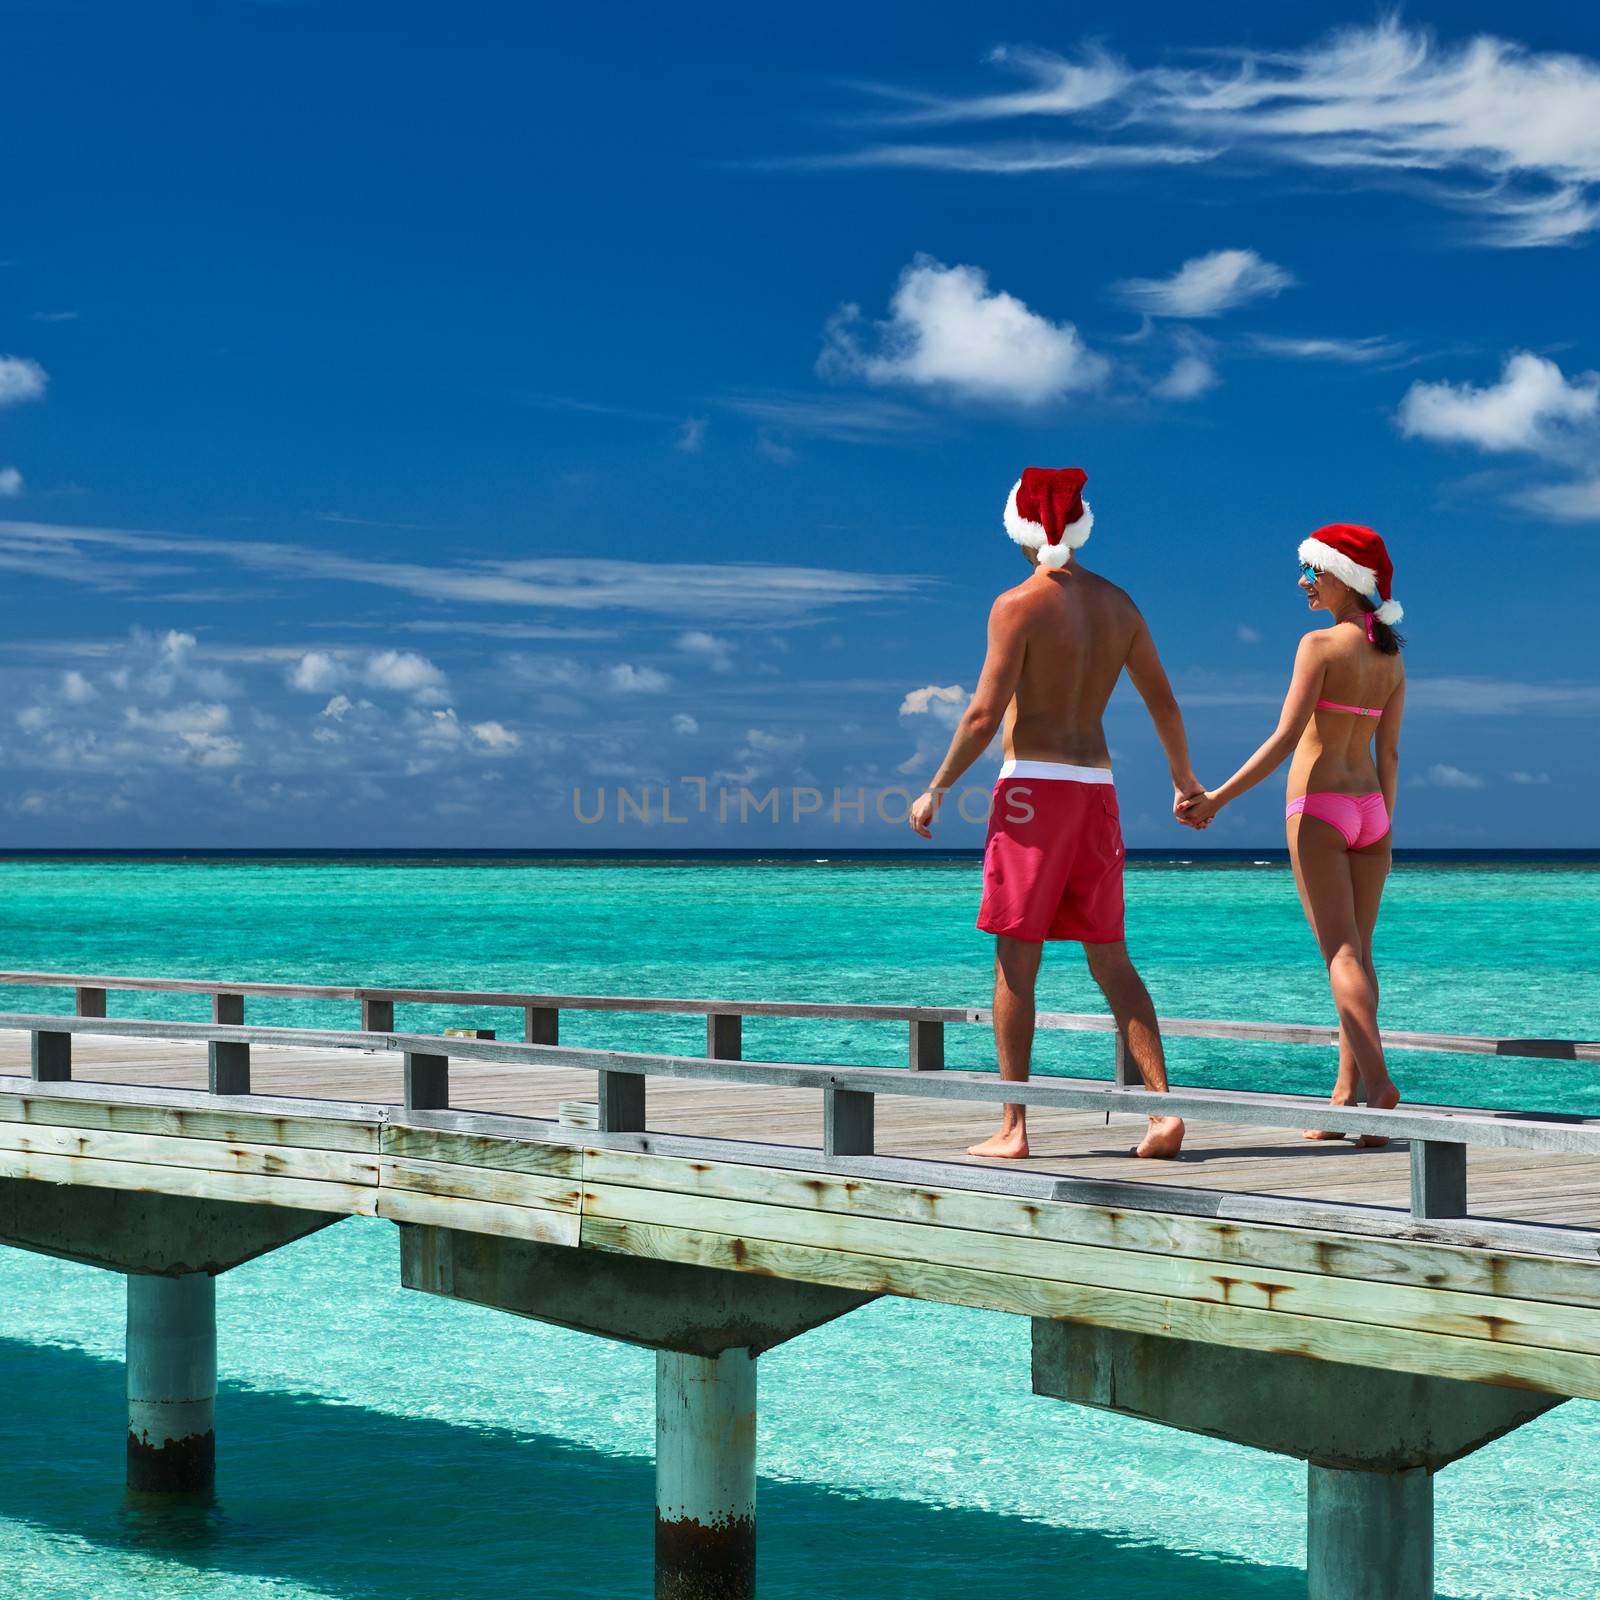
[[1308, 572]]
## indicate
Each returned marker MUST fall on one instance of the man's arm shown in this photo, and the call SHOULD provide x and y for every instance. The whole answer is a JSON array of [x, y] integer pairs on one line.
[[1149, 677], [997, 683]]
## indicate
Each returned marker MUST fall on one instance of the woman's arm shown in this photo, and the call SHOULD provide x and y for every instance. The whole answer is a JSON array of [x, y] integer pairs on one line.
[[1298, 704], [1387, 749]]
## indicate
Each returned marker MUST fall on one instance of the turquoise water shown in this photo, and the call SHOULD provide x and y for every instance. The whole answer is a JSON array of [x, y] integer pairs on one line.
[[381, 1443]]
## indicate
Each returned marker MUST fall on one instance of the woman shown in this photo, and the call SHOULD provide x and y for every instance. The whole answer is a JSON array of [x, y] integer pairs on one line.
[[1347, 693]]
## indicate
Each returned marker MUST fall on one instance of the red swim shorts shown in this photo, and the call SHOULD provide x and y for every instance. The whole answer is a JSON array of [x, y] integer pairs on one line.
[[1052, 864]]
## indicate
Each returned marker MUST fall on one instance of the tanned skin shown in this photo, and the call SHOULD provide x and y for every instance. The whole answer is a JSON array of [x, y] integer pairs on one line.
[[1058, 643]]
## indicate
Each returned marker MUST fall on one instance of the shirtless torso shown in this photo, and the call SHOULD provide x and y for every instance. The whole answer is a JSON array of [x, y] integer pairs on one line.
[[1075, 633]]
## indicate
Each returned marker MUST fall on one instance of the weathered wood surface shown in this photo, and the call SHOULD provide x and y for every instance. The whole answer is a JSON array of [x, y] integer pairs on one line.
[[1523, 1319]]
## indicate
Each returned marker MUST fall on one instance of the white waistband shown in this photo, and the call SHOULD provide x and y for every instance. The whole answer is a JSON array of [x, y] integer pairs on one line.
[[1054, 769]]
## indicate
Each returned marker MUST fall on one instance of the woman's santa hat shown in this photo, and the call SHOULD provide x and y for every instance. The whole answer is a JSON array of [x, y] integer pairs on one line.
[[1046, 512], [1357, 557]]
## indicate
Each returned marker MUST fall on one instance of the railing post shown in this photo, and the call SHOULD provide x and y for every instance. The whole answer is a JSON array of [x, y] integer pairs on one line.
[[1125, 1072], [90, 1002], [927, 1046], [228, 1063], [621, 1098], [52, 1057], [847, 1122], [377, 1016], [541, 1025], [427, 1082], [724, 1036], [1438, 1179]]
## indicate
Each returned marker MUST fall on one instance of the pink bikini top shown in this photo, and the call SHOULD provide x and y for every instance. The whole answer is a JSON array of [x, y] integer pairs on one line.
[[1355, 711]]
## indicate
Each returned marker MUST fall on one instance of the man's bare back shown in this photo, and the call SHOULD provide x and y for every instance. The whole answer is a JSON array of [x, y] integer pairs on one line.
[[1077, 632]]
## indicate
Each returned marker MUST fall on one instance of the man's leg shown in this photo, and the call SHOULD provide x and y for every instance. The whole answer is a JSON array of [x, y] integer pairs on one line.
[[1131, 1005], [1016, 972]]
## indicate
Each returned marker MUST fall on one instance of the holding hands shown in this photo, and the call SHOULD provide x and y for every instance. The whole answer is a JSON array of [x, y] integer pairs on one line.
[[1193, 804]]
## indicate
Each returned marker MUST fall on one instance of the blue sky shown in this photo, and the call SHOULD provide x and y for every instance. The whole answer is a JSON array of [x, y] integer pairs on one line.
[[408, 419]]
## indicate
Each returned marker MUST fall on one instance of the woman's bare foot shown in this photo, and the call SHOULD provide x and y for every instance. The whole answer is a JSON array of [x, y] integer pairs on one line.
[[1164, 1139], [1386, 1099], [1010, 1144], [1337, 1098]]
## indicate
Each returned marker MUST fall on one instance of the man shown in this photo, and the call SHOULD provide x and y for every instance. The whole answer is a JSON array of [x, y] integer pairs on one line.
[[1052, 866]]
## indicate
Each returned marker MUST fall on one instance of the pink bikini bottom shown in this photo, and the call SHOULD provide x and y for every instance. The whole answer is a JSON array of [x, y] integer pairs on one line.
[[1363, 819]]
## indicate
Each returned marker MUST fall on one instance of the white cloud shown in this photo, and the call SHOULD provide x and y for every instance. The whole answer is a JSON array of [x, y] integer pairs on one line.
[[1008, 159], [10, 483], [691, 439], [1484, 126], [76, 689], [625, 678], [707, 648], [20, 379], [684, 724], [1537, 778], [1208, 285], [1503, 697], [1528, 409], [948, 332], [494, 738], [1245, 634], [933, 711], [339, 707], [316, 672], [404, 672], [1190, 376], [1354, 352], [1443, 776], [935, 701]]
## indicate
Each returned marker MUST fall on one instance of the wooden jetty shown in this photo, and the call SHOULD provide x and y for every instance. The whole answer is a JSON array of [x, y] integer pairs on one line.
[[1378, 1313]]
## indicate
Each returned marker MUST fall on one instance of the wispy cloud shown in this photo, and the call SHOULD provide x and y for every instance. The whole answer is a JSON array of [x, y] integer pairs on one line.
[[10, 483], [848, 419], [691, 436], [1483, 126], [949, 333], [735, 592], [1208, 285], [1443, 776], [1355, 352], [1005, 159]]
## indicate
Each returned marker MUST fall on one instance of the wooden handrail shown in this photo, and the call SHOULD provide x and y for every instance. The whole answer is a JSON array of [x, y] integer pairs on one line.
[[1065, 1021], [1437, 1124]]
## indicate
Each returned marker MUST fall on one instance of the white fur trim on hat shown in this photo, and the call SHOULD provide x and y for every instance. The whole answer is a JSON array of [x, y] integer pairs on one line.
[[1351, 573], [1390, 612], [1031, 535]]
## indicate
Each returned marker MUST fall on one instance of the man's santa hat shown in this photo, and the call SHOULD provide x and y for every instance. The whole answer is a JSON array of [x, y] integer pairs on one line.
[[1355, 556], [1046, 512]]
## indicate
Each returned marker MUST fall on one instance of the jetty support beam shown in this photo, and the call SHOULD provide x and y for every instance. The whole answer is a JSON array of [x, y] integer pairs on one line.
[[705, 1476], [1373, 1438], [172, 1383], [707, 1327], [171, 1247]]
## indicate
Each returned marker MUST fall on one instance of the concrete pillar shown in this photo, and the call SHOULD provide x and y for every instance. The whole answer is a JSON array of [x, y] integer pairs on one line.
[[172, 1382], [1369, 1535], [705, 1476]]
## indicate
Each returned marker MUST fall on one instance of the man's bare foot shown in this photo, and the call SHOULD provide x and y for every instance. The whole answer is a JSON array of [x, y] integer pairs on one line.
[[1007, 1145], [1386, 1100], [1164, 1139]]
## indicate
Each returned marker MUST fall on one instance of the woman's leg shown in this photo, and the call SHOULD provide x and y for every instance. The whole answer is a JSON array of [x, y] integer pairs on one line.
[[1327, 883], [1369, 872]]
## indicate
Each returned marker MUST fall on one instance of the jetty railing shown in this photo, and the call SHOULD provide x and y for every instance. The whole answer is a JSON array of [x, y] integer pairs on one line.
[[1439, 1136]]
